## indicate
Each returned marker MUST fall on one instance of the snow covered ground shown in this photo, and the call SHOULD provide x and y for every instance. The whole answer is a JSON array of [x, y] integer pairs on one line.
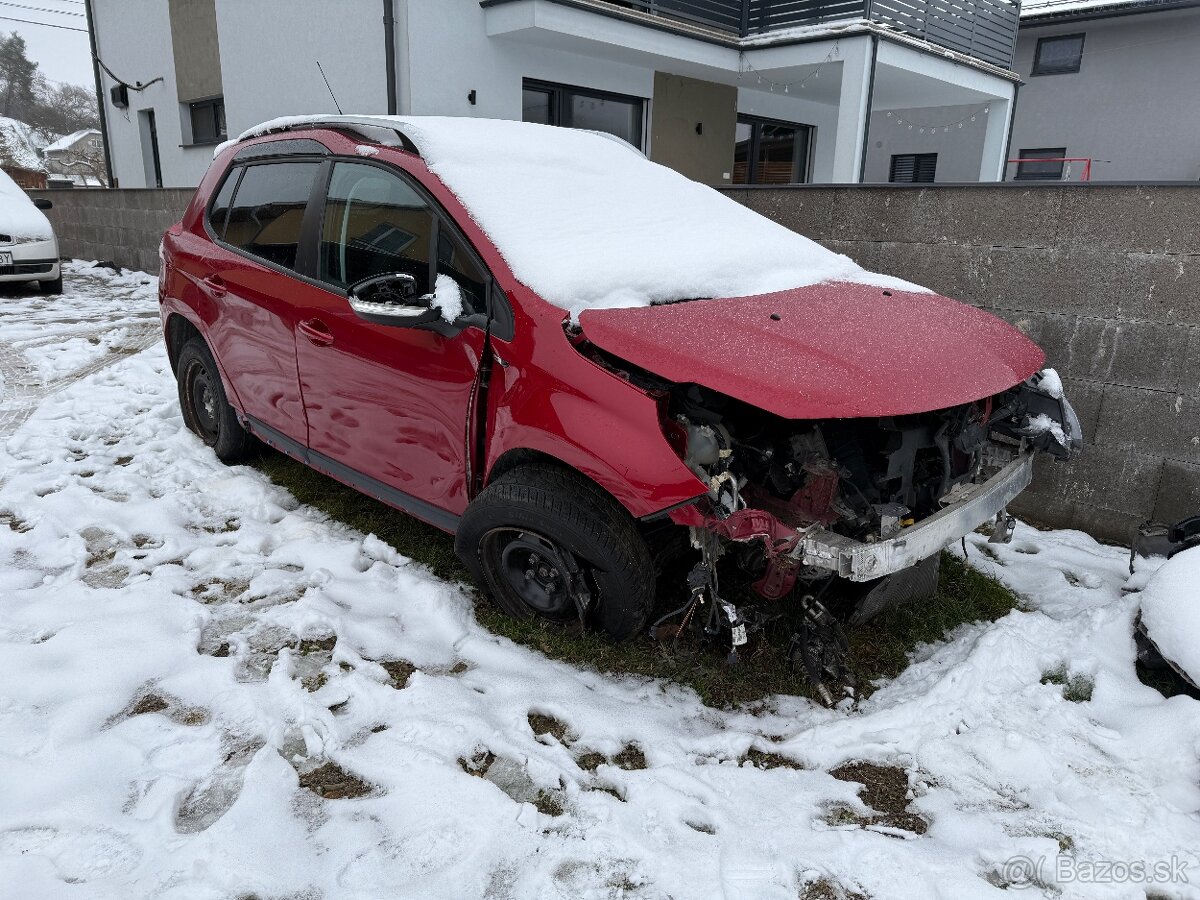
[[189, 659]]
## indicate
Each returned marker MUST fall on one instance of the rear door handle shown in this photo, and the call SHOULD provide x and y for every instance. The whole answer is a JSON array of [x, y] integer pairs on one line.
[[216, 285], [316, 331]]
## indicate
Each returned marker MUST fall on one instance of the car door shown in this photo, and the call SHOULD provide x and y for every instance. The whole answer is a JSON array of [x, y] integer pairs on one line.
[[250, 278], [385, 401]]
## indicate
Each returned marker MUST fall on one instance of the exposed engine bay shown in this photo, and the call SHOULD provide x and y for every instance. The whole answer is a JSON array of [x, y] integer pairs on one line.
[[866, 479], [795, 506]]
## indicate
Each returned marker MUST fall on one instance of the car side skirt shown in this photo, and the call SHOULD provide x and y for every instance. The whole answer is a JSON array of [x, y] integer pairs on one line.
[[365, 484]]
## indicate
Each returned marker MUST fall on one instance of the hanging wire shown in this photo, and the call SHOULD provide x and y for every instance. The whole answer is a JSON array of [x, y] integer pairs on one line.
[[944, 127], [745, 68]]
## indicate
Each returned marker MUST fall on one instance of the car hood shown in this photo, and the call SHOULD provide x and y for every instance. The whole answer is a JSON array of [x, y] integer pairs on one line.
[[834, 350]]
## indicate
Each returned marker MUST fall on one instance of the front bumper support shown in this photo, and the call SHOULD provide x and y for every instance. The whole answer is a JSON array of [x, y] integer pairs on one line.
[[859, 561]]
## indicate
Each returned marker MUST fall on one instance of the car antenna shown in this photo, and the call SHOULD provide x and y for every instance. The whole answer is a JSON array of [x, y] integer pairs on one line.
[[327, 85]]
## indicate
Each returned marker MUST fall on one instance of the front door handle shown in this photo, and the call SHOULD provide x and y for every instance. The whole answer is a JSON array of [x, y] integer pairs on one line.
[[215, 285], [316, 331]]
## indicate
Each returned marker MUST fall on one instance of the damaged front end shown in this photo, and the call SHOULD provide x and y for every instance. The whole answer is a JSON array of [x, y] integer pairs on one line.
[[870, 501]]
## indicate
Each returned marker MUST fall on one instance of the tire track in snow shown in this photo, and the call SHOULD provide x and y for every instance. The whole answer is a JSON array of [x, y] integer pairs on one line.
[[23, 390], [90, 308]]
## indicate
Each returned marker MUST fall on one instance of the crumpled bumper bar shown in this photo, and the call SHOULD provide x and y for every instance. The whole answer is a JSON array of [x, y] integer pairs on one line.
[[859, 561]]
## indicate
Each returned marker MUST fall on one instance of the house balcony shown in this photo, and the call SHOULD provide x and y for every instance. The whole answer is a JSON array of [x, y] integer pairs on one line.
[[860, 89], [983, 29]]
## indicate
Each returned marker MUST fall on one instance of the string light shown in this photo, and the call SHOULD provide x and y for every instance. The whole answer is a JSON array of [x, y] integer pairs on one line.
[[744, 68], [944, 126]]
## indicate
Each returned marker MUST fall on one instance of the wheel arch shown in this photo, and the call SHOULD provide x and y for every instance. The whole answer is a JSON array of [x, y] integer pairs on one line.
[[178, 330]]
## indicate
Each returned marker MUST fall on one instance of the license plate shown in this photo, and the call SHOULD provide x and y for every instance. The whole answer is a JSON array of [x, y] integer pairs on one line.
[[5, 259]]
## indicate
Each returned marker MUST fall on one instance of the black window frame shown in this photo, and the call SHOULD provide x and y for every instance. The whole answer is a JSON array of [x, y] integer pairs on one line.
[[220, 126], [756, 123], [1070, 69], [1053, 154], [156, 157], [498, 320], [560, 95], [918, 159], [238, 169]]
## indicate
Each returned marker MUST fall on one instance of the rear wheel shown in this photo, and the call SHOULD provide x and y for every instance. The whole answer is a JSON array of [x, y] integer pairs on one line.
[[51, 287], [548, 544], [206, 411]]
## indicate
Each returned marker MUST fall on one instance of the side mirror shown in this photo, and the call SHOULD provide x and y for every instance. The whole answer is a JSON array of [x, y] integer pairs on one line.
[[42, 203], [392, 300]]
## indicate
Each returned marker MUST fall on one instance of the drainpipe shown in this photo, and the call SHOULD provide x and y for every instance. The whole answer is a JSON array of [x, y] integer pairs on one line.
[[389, 53], [108, 165], [1012, 121], [866, 139]]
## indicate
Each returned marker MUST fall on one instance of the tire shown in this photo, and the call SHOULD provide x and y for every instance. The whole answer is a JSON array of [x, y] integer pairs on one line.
[[51, 287], [206, 411], [532, 523]]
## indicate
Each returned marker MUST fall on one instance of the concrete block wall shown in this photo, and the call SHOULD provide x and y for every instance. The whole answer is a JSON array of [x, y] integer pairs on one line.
[[1105, 277], [121, 226]]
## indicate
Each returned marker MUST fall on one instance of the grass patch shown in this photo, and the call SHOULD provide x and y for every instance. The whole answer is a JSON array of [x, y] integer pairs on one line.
[[879, 649], [540, 724], [1076, 688], [761, 759], [885, 790], [332, 782]]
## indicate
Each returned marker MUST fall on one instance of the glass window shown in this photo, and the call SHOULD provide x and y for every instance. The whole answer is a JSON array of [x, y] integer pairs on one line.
[[571, 107], [218, 214], [208, 120], [1028, 169], [1058, 55], [461, 265], [621, 117], [742, 149], [913, 168], [535, 106], [768, 152], [375, 224], [268, 210]]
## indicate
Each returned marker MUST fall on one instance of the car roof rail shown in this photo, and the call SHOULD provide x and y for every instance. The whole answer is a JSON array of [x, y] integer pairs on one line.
[[375, 130]]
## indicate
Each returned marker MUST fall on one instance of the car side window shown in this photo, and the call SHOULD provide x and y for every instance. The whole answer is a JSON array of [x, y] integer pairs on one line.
[[461, 265], [375, 223], [218, 213], [267, 212]]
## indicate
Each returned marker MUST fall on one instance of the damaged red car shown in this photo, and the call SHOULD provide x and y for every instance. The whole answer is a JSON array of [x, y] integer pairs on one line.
[[586, 366]]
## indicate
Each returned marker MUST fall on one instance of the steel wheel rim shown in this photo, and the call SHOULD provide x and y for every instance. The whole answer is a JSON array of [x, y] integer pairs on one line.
[[533, 570], [203, 402]]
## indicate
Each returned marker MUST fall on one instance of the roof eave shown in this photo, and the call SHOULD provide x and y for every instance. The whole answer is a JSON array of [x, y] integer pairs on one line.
[[1034, 18]]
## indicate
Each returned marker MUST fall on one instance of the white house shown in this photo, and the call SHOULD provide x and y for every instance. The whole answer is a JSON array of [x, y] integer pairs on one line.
[[1112, 91], [726, 91]]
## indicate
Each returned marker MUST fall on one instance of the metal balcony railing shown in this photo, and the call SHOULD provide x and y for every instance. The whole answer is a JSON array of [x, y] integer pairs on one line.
[[984, 29]]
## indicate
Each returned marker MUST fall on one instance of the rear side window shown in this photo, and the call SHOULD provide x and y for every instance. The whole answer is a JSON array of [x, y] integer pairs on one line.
[[268, 210], [218, 213]]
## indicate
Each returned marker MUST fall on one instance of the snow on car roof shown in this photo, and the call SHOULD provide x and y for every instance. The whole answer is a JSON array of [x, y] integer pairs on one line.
[[18, 216], [1171, 614], [588, 222]]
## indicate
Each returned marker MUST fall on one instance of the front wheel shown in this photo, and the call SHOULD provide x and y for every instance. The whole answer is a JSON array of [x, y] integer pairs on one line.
[[53, 288], [548, 544], [206, 411]]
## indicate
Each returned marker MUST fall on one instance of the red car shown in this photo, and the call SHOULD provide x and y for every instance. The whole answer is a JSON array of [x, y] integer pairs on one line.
[[584, 365]]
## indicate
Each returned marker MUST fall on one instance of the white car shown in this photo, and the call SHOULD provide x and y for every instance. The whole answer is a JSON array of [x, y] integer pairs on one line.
[[28, 247]]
